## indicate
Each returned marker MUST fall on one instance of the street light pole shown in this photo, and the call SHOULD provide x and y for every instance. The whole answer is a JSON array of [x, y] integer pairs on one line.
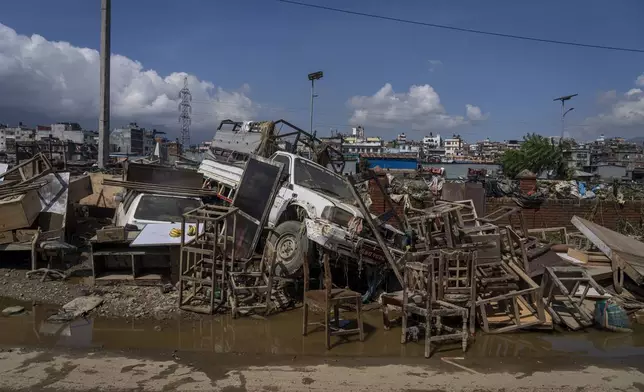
[[313, 77], [104, 110], [564, 111]]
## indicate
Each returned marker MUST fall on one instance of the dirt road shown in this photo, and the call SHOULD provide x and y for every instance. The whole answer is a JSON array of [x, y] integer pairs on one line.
[[64, 370]]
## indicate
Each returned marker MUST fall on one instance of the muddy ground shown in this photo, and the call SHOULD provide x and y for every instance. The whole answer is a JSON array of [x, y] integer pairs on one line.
[[83, 370], [119, 301]]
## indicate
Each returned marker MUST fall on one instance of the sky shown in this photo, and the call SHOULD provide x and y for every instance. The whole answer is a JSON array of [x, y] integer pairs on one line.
[[249, 60]]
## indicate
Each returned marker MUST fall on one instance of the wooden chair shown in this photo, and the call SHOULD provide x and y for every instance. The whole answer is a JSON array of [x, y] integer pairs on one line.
[[328, 298], [419, 298], [457, 280]]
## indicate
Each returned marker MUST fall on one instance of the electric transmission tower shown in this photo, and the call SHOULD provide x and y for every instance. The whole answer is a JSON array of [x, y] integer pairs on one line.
[[184, 113]]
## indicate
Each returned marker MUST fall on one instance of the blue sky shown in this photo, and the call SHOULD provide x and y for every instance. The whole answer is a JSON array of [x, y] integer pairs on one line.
[[271, 46]]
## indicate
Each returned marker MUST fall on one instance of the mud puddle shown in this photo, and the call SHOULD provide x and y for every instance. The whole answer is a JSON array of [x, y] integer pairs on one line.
[[282, 334]]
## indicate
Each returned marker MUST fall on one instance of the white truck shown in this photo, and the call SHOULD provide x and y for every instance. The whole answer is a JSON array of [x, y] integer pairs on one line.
[[311, 195]]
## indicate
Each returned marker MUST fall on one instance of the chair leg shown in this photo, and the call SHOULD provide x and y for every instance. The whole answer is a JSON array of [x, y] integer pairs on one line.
[[465, 331], [327, 327], [473, 318], [428, 335], [336, 315], [385, 317], [305, 318], [359, 315], [403, 333]]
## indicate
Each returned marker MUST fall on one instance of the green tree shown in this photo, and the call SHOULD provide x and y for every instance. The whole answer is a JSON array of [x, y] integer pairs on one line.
[[536, 154]]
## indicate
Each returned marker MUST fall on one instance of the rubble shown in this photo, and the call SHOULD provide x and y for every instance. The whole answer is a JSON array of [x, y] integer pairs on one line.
[[236, 233], [11, 310]]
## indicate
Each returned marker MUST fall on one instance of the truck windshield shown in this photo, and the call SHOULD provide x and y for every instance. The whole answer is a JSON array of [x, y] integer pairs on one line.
[[318, 179], [164, 208]]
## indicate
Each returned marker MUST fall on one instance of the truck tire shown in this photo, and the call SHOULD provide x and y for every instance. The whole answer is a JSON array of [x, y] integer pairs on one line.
[[289, 246]]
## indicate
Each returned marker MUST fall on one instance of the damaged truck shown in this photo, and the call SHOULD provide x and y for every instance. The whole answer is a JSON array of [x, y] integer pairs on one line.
[[315, 206]]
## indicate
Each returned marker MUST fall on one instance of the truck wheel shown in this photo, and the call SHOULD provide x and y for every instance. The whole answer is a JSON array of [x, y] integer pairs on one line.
[[289, 247]]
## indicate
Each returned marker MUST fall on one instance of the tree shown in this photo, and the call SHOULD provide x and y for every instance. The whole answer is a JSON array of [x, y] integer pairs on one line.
[[537, 154]]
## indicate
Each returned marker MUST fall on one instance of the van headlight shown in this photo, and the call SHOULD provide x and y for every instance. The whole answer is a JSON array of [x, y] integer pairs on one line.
[[337, 215]]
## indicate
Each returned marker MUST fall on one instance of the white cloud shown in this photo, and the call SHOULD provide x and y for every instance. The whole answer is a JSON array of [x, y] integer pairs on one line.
[[625, 117], [474, 113], [434, 64], [420, 108], [61, 81], [607, 97], [640, 80]]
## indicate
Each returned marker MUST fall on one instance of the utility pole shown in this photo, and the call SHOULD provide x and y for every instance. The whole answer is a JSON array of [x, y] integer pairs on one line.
[[104, 114], [185, 109], [564, 111], [313, 77]]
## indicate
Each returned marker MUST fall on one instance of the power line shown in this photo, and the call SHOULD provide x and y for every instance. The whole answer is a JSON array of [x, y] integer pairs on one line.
[[462, 29]]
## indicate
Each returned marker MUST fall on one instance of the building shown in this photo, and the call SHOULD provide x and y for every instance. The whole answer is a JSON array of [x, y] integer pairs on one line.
[[453, 146], [490, 150], [358, 143], [128, 140], [401, 138], [10, 135], [432, 142], [370, 145], [610, 172], [578, 157], [512, 144]]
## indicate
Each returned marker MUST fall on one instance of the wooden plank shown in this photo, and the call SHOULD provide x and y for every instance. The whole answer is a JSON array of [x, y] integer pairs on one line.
[[585, 257]]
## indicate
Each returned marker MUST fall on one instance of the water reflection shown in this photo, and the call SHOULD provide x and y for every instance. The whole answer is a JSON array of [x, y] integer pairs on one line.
[[281, 334]]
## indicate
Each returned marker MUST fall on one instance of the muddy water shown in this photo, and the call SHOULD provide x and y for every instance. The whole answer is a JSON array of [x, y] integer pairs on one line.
[[282, 334]]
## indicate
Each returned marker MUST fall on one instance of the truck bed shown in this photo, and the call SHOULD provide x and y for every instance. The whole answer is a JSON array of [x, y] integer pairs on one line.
[[224, 173]]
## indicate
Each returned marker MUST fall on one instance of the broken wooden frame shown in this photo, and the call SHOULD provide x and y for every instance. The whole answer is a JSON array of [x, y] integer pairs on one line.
[[29, 170], [504, 310], [434, 225], [206, 257], [546, 234], [250, 290], [559, 299], [524, 249], [514, 216]]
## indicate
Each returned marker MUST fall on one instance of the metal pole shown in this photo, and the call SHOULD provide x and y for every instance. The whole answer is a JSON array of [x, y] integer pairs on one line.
[[312, 95], [104, 114], [563, 105]]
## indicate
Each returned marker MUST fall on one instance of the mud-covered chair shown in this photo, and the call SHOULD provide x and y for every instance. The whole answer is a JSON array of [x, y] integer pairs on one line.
[[330, 298], [419, 298]]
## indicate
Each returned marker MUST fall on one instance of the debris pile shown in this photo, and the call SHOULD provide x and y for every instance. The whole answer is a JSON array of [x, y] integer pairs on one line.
[[242, 231]]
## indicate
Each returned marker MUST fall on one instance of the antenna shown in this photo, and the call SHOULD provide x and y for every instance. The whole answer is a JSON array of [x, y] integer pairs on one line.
[[185, 109]]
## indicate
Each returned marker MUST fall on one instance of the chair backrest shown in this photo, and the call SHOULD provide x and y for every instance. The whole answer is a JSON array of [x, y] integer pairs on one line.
[[456, 273], [326, 266], [419, 280]]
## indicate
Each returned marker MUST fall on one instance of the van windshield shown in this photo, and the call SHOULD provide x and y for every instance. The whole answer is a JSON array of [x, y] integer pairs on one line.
[[164, 208]]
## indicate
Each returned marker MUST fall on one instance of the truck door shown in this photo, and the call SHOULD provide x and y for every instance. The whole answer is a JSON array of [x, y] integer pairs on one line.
[[284, 194]]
